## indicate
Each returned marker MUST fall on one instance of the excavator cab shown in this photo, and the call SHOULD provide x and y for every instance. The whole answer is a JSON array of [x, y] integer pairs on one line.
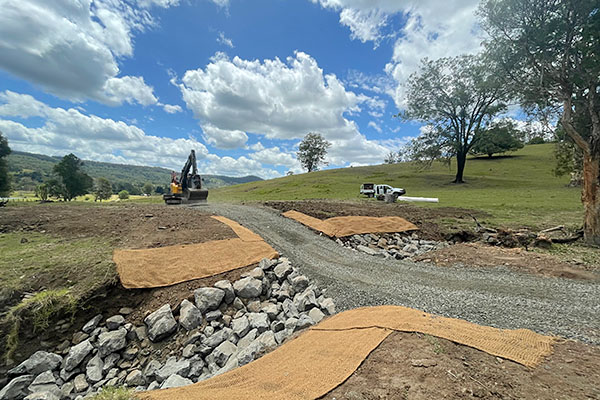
[[188, 187]]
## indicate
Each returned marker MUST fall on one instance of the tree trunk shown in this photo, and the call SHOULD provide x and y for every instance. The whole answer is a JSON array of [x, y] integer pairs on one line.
[[590, 198], [461, 160]]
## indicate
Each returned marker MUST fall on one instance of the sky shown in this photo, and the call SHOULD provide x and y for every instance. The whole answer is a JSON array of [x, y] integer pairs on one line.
[[240, 81]]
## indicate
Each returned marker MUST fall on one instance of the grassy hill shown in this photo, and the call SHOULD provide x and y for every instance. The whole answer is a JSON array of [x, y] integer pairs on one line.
[[28, 170], [517, 190]]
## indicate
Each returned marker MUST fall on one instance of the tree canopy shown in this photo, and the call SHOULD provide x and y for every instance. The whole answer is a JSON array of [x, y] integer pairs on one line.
[[73, 181], [456, 97], [4, 177], [550, 49], [102, 189], [499, 137], [312, 151]]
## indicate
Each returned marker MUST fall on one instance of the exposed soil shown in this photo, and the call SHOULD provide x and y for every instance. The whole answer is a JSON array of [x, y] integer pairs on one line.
[[125, 226], [425, 218], [129, 226], [416, 366], [481, 255]]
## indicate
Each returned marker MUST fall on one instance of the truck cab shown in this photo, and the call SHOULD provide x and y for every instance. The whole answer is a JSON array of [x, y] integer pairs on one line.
[[379, 191]]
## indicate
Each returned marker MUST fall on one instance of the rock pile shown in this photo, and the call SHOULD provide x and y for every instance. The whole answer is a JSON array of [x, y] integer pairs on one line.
[[225, 326], [394, 245]]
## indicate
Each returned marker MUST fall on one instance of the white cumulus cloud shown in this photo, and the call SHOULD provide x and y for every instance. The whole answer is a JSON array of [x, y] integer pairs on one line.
[[71, 48], [221, 39]]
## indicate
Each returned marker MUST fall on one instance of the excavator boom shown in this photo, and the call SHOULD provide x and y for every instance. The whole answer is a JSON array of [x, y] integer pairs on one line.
[[189, 187]]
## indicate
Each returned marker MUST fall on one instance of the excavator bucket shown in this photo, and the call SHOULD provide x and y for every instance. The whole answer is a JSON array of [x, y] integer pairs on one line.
[[196, 195]]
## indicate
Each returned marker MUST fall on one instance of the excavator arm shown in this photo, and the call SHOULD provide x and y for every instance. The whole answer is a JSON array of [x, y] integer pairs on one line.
[[190, 184]]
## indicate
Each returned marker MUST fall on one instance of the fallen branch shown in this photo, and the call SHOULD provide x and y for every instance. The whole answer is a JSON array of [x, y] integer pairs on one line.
[[556, 228], [578, 235]]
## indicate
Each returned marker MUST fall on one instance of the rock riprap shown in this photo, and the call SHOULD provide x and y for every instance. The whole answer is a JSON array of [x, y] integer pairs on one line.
[[226, 326], [391, 245]]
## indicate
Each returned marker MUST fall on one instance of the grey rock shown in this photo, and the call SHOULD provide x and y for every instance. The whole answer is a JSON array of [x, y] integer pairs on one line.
[[134, 378], [259, 321], [80, 383], [265, 264], [306, 300], [151, 368], [44, 378], [76, 355], [248, 353], [188, 351], [248, 287], [316, 315], [160, 323], [256, 273], [304, 322], [271, 310], [115, 322], [67, 375], [223, 351], [79, 337], [110, 342], [213, 315], [16, 388], [44, 395], [410, 248], [39, 362], [171, 367], [130, 353], [327, 306], [153, 386], [367, 250], [238, 304], [226, 287], [140, 332], [299, 283], [175, 381], [282, 270], [92, 324], [291, 323], [267, 340], [246, 340], [231, 364], [110, 361], [290, 309], [280, 336], [240, 326], [189, 315], [209, 330], [253, 306], [208, 298], [196, 365], [217, 338], [277, 326], [94, 368], [67, 389]]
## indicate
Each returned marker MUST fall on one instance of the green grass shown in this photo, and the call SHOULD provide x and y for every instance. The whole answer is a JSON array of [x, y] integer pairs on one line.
[[115, 393], [517, 190]]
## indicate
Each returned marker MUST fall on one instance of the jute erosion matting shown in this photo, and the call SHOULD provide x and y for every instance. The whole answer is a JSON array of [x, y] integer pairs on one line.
[[352, 225], [322, 358], [164, 266]]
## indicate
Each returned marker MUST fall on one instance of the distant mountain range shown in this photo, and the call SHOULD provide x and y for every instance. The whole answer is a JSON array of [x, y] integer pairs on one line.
[[29, 170]]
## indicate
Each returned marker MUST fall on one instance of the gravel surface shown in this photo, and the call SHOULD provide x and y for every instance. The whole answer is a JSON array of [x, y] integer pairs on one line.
[[497, 297]]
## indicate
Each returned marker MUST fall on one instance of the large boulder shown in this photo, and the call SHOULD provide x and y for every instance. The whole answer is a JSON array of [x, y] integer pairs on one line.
[[110, 342], [160, 323], [248, 287], [16, 388], [226, 287], [208, 298], [39, 362], [189, 315], [175, 381], [94, 368], [77, 354], [172, 367], [223, 351]]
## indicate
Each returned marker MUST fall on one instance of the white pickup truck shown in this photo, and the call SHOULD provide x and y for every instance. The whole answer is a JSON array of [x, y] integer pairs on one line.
[[379, 191]]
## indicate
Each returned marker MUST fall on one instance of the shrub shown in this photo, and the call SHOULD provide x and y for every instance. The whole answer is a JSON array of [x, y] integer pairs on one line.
[[123, 195]]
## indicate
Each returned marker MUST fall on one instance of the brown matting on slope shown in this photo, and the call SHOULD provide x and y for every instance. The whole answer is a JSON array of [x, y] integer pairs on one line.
[[352, 225], [325, 356], [165, 266], [521, 345]]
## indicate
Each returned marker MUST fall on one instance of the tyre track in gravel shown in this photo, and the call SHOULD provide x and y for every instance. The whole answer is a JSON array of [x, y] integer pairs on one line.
[[495, 296]]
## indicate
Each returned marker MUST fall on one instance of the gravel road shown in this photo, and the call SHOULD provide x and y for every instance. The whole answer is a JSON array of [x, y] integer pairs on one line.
[[496, 297]]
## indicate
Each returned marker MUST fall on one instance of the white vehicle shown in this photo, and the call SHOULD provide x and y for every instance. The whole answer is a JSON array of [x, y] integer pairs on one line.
[[379, 191]]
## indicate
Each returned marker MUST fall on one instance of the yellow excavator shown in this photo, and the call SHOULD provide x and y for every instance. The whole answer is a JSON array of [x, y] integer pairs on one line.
[[187, 188]]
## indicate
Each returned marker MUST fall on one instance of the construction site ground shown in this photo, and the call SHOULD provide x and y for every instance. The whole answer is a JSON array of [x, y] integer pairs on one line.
[[406, 365]]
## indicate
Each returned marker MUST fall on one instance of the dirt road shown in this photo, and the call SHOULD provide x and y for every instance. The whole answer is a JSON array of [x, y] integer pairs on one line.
[[497, 297]]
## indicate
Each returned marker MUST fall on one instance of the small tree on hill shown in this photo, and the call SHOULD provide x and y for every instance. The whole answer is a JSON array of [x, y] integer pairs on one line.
[[456, 98], [391, 158], [148, 188], [312, 151], [499, 137], [4, 177], [102, 189], [123, 195], [74, 181], [42, 191]]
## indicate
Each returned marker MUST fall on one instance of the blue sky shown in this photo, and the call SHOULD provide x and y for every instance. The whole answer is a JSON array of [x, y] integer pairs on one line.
[[241, 81]]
